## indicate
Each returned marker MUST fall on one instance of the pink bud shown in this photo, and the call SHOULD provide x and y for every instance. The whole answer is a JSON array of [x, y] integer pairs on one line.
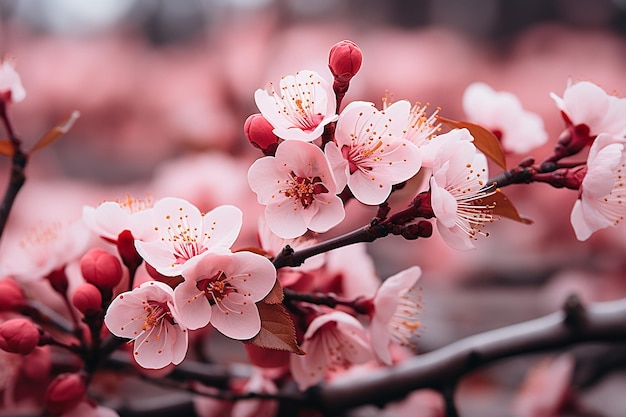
[[259, 133], [11, 295], [127, 251], [101, 269], [344, 60], [19, 336], [87, 299], [65, 392], [58, 280]]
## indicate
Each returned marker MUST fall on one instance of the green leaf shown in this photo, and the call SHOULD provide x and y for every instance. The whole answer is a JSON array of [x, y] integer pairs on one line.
[[277, 329], [484, 139]]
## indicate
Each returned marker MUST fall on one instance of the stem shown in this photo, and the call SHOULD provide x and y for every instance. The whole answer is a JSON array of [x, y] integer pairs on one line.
[[289, 257], [19, 160], [327, 299]]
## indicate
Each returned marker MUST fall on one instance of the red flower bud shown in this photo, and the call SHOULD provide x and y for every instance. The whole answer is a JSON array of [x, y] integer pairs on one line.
[[127, 251], [259, 133], [58, 280], [65, 392], [19, 336], [87, 299], [101, 269], [11, 295], [344, 60]]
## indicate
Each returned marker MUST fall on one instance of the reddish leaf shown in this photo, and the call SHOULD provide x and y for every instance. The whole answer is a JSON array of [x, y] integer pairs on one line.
[[56, 132], [277, 329], [276, 295], [504, 207], [6, 147], [484, 139]]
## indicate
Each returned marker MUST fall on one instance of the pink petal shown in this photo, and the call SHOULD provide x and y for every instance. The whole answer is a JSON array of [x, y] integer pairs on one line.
[[255, 275], [153, 348], [443, 203], [285, 220], [237, 320], [192, 306], [331, 213], [586, 103], [338, 164], [263, 176], [223, 225]]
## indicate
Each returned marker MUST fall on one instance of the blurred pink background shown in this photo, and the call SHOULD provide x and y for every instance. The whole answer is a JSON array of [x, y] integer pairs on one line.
[[164, 88]]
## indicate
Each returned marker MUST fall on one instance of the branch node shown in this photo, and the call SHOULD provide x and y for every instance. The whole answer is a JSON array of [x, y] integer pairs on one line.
[[575, 311]]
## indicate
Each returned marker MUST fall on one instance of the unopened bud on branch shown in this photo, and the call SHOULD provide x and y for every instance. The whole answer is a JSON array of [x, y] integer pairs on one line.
[[19, 336], [87, 299], [11, 295], [260, 134], [344, 61], [101, 269], [65, 392]]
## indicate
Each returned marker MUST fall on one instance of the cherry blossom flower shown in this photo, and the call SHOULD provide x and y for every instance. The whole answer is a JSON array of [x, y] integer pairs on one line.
[[298, 189], [223, 289], [602, 200], [457, 189], [501, 112], [45, 248], [370, 154], [257, 383], [301, 109], [586, 103], [332, 341], [422, 130], [111, 218], [148, 317], [11, 89], [397, 305], [184, 233]]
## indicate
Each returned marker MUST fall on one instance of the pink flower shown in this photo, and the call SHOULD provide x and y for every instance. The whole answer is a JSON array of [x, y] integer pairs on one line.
[[332, 341], [184, 233], [257, 383], [422, 130], [457, 190], [298, 189], [395, 316], [45, 248], [602, 200], [304, 105], [501, 112], [111, 218], [223, 290], [586, 103], [147, 316], [370, 154], [11, 90]]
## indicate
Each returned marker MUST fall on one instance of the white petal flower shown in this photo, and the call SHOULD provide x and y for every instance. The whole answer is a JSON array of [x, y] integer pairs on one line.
[[602, 201], [303, 106]]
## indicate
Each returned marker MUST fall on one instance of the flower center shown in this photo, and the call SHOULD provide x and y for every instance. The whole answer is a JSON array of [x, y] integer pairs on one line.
[[156, 311], [304, 189], [134, 205], [215, 288]]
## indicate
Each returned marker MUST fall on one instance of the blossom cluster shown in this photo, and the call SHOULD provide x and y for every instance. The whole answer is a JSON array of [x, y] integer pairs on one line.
[[160, 269]]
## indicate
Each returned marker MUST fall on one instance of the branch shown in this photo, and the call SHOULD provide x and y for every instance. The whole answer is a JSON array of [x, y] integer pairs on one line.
[[600, 322]]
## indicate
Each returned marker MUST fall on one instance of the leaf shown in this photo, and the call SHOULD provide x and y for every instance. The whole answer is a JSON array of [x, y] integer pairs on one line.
[[56, 132], [6, 147], [504, 207], [484, 139], [277, 329], [276, 295]]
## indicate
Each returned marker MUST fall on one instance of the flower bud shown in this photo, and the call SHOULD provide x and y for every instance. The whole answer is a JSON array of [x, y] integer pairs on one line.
[[101, 269], [58, 280], [344, 60], [128, 252], [11, 295], [260, 134], [65, 392], [87, 299], [19, 336]]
